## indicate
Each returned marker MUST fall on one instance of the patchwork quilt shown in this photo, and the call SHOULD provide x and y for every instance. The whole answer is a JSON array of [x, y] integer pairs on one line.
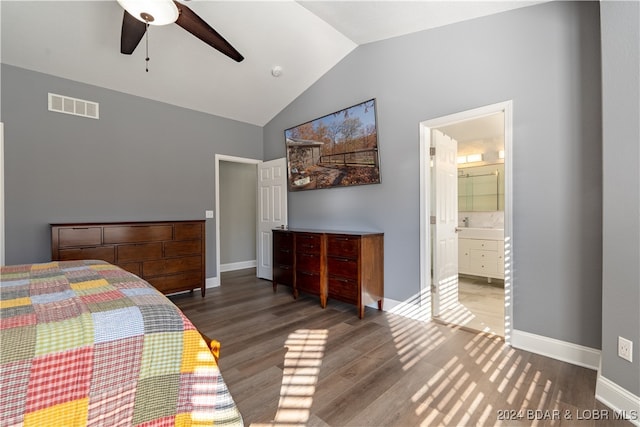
[[87, 343]]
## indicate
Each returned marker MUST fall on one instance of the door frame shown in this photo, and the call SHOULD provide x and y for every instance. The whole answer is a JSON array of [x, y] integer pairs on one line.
[[505, 107], [224, 158]]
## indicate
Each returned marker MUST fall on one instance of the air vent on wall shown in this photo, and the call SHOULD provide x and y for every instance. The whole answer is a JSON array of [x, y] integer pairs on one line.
[[77, 107]]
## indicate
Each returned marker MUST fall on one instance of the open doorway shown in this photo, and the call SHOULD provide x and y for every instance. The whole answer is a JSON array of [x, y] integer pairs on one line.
[[469, 231], [480, 223], [265, 202], [237, 213], [236, 178]]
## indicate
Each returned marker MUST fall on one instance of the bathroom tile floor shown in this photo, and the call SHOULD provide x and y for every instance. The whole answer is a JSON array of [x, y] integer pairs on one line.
[[480, 305]]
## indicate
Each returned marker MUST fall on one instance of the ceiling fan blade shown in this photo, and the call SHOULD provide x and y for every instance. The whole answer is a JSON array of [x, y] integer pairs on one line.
[[132, 32], [191, 22]]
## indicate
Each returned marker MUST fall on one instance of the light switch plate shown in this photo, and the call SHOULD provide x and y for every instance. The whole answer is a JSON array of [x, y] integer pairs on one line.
[[208, 214]]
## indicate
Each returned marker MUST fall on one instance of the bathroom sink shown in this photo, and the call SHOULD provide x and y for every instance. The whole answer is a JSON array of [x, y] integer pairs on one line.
[[481, 233]]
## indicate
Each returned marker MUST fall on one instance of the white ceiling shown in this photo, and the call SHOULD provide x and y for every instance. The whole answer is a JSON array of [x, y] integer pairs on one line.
[[80, 40], [480, 135]]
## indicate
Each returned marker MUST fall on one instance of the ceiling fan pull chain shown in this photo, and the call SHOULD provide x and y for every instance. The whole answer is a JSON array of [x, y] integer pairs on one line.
[[147, 46]]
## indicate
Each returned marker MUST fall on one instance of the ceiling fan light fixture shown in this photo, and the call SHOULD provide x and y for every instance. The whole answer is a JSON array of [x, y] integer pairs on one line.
[[154, 12]]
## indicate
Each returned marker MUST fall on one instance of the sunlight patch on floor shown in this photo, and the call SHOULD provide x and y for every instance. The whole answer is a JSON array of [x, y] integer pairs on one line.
[[302, 362]]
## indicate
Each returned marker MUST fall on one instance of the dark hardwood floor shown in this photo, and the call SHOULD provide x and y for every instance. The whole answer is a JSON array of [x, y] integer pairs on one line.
[[290, 363]]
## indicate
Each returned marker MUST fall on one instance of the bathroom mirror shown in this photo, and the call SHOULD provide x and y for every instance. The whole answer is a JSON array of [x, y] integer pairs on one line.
[[481, 188]]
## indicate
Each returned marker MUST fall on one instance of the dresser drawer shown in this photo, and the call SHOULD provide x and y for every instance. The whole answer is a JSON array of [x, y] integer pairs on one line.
[[283, 256], [104, 253], [169, 266], [177, 282], [282, 240], [139, 252], [344, 246], [79, 236], [485, 262], [308, 262], [188, 231], [308, 243], [283, 273], [132, 267], [345, 267], [137, 233], [342, 289], [185, 247], [308, 282]]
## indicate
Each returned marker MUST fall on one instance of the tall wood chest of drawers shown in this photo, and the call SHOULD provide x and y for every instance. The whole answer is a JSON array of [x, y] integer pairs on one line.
[[170, 255], [345, 266]]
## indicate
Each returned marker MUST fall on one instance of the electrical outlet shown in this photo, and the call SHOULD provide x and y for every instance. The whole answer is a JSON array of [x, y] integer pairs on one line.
[[625, 349]]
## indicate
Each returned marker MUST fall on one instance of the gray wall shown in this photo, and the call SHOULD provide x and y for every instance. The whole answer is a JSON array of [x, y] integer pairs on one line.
[[143, 160], [621, 204], [238, 194], [546, 58]]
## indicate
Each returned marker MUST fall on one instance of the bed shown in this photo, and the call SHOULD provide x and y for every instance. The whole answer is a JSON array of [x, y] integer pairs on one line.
[[87, 343]]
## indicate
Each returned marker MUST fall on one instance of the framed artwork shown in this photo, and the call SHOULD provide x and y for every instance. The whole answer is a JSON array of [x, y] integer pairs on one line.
[[336, 150]]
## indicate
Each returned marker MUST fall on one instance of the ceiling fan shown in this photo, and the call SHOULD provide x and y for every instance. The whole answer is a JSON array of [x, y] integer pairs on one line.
[[138, 14]]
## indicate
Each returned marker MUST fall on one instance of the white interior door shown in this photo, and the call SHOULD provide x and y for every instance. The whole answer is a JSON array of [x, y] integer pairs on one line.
[[445, 211], [272, 210]]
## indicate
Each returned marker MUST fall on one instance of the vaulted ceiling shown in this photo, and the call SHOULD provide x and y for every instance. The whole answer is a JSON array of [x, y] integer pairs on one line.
[[80, 40]]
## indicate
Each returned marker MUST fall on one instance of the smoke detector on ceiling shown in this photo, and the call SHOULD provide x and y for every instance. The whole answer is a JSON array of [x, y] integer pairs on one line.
[[276, 71]]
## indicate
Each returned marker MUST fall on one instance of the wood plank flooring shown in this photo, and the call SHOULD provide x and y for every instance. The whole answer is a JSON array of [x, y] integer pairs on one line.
[[291, 363]]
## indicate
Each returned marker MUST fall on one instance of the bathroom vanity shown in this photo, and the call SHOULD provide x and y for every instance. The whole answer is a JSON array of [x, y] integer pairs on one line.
[[481, 252]]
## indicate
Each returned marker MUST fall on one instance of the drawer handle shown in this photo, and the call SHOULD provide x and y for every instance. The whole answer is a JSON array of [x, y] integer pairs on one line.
[[343, 259], [80, 228], [344, 239], [343, 280]]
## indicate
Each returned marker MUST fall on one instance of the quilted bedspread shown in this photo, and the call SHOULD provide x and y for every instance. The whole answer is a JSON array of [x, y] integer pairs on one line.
[[87, 343]]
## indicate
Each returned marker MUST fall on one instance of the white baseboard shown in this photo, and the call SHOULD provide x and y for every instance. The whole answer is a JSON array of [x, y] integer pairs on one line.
[[212, 282], [232, 266], [623, 402], [411, 309], [561, 350]]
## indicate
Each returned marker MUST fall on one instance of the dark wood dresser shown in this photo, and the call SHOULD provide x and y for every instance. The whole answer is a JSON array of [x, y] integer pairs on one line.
[[340, 265], [170, 255]]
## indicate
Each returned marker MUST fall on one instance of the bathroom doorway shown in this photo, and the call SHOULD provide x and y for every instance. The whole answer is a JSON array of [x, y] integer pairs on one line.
[[475, 289]]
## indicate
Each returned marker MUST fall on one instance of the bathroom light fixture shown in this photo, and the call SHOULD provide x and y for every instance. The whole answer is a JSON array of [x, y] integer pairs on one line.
[[474, 158], [471, 158], [153, 12]]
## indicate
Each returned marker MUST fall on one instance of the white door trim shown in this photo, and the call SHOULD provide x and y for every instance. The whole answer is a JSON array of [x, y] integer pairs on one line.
[[425, 183], [215, 281]]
